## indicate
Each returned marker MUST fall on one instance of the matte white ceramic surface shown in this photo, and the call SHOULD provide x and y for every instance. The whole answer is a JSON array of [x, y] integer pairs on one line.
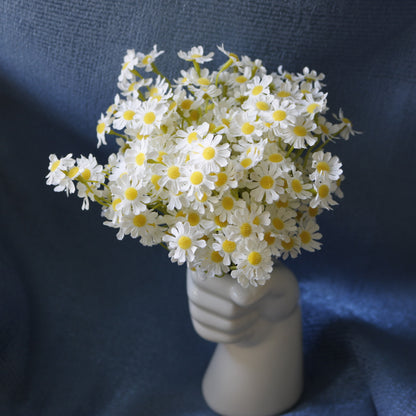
[[257, 367]]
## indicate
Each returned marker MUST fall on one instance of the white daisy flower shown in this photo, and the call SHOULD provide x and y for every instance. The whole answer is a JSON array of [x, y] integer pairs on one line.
[[196, 181], [326, 166], [324, 128], [196, 54], [345, 129], [137, 156], [289, 90], [245, 124], [296, 188], [92, 173], [259, 86], [209, 154], [190, 135], [310, 76], [245, 223], [159, 91], [254, 263], [282, 221], [130, 60], [145, 226], [283, 113], [308, 235], [103, 128], [125, 113], [226, 206], [183, 241], [300, 133], [149, 116], [132, 195], [57, 167], [266, 183], [146, 61], [290, 247], [225, 245], [324, 189]]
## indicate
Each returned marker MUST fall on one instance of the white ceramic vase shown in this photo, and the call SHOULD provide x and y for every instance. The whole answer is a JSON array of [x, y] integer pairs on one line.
[[257, 366]]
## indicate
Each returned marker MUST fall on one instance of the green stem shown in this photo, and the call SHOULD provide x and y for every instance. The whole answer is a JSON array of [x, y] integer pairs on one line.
[[197, 67], [156, 71], [290, 151], [114, 133]]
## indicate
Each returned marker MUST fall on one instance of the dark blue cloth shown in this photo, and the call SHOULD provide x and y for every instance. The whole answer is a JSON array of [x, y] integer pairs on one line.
[[93, 326]]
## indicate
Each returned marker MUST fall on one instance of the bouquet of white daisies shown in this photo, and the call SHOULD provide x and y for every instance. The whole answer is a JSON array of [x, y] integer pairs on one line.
[[225, 168]]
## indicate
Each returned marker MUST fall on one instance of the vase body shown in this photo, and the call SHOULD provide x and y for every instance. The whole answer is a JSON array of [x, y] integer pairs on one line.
[[257, 366]]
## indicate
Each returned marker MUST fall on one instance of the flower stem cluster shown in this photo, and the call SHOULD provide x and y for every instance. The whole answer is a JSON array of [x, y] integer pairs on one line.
[[225, 168]]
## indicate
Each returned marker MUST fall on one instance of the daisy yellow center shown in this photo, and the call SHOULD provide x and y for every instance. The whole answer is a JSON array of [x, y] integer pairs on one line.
[[275, 158], [283, 94], [311, 108], [227, 203], [130, 194], [221, 179], [153, 91], [258, 89], [139, 220], [193, 218], [216, 257], [322, 167], [324, 128], [86, 174], [155, 179], [305, 237], [149, 117], [173, 172], [203, 198], [269, 238], [266, 182], [300, 131], [203, 81], [323, 191], [282, 204], [184, 242], [115, 203], [228, 246], [245, 163], [245, 229], [254, 258], [55, 165], [186, 104], [279, 115], [241, 79], [256, 221], [247, 128], [100, 128], [73, 172], [196, 56], [278, 223], [346, 120], [219, 223], [194, 115], [128, 115], [313, 212], [146, 59], [208, 153], [288, 245], [172, 105], [296, 185], [305, 91], [192, 137], [196, 178], [140, 158], [262, 106], [160, 156]]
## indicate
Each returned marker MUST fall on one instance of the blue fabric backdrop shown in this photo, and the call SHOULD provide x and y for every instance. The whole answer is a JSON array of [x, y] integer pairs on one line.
[[93, 326]]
